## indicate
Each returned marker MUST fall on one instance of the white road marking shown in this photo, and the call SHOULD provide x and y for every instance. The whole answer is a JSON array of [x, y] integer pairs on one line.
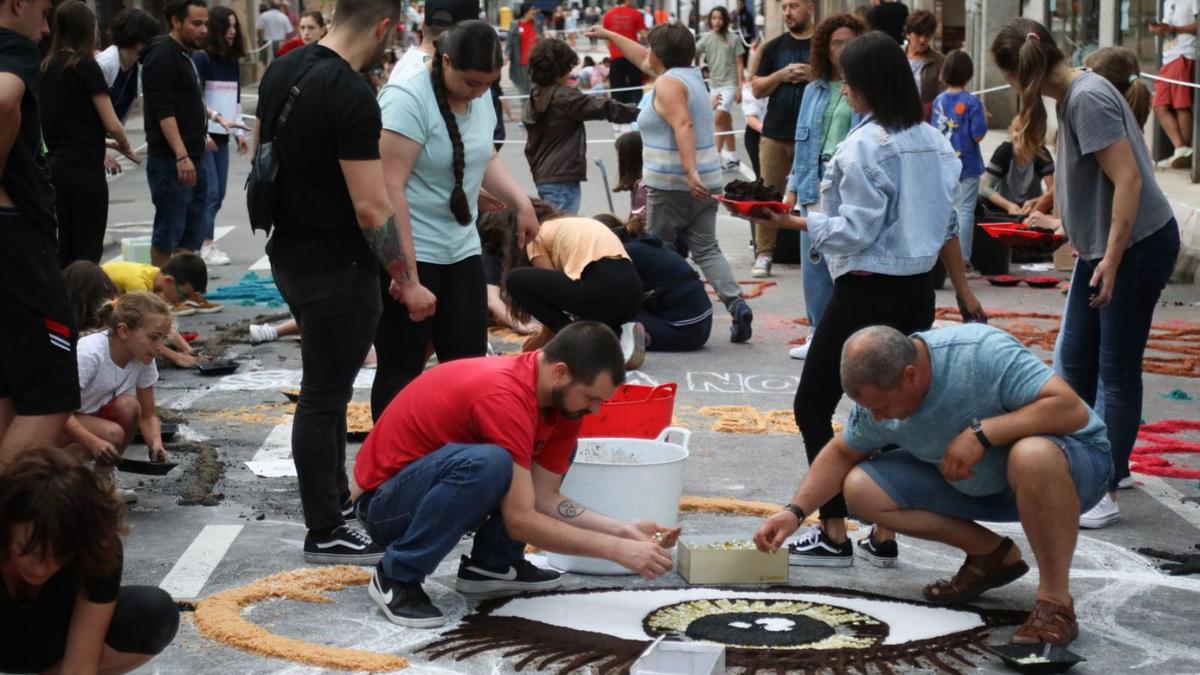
[[262, 264], [274, 457], [217, 234], [187, 578], [1171, 498]]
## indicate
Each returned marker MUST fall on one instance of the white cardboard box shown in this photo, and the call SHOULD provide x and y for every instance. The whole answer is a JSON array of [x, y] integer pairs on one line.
[[680, 658], [699, 565]]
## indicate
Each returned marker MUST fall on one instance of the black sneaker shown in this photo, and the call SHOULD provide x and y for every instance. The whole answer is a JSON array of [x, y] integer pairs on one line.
[[742, 315], [814, 549], [348, 511], [520, 576], [343, 546], [878, 553], [404, 604]]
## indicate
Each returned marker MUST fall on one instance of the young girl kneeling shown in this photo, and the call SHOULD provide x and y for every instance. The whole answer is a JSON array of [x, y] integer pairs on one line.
[[116, 380]]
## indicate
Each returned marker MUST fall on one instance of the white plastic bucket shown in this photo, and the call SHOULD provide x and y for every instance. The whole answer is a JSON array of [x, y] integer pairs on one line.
[[627, 479]]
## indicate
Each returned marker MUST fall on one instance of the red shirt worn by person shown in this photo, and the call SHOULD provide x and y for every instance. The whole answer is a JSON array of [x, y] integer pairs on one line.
[[289, 45], [528, 39], [482, 400], [623, 20]]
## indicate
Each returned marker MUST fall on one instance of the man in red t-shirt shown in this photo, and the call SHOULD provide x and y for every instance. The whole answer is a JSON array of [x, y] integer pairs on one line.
[[624, 19], [482, 444]]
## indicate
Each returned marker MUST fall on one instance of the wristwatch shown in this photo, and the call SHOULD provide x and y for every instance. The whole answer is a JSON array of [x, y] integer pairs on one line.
[[795, 510], [977, 428]]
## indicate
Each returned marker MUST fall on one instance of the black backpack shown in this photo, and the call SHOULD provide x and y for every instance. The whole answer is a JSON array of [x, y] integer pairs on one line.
[[264, 166]]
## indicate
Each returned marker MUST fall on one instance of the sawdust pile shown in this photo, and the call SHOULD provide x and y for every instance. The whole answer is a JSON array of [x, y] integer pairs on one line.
[[746, 419], [505, 333], [264, 413], [219, 617], [358, 419]]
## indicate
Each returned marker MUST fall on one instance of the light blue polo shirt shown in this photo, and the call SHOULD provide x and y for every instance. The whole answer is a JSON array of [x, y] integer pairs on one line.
[[979, 372], [409, 108]]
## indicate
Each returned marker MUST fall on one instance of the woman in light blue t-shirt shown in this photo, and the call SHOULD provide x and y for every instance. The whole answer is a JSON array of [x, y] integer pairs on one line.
[[437, 156]]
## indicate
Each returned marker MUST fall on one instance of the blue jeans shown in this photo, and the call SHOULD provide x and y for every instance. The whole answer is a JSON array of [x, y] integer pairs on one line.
[[216, 164], [562, 196], [665, 337], [818, 285], [180, 211], [914, 484], [1107, 344], [421, 513], [964, 205]]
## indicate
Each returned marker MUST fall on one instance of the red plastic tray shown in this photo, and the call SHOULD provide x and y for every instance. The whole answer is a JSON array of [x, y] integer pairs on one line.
[[1016, 235], [1043, 282], [1004, 280], [753, 209]]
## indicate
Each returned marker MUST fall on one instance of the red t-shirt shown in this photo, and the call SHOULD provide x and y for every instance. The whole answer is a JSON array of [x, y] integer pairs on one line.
[[483, 400], [528, 39], [623, 20], [289, 45]]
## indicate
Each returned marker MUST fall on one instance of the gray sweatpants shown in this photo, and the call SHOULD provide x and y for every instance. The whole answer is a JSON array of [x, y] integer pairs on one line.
[[671, 214]]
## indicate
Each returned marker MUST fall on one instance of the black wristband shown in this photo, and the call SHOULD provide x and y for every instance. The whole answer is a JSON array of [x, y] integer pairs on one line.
[[977, 427], [180, 159], [795, 511]]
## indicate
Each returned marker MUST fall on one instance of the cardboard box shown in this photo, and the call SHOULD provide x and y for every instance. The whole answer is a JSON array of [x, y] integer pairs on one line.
[[699, 565], [680, 658], [1064, 258]]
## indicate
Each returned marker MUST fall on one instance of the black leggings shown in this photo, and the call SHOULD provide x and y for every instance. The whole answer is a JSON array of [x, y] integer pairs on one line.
[[904, 303], [81, 200], [144, 622], [458, 329], [609, 291]]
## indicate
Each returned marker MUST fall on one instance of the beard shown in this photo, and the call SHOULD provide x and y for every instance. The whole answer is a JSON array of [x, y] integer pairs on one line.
[[797, 26], [559, 394]]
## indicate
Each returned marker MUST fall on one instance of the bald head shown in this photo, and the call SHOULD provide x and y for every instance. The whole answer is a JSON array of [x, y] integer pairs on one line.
[[876, 356]]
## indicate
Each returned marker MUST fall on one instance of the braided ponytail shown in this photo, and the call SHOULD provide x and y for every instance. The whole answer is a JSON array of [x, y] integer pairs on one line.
[[459, 205], [470, 45]]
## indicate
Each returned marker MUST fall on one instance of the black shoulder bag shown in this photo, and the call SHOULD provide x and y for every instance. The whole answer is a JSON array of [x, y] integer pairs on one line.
[[264, 167]]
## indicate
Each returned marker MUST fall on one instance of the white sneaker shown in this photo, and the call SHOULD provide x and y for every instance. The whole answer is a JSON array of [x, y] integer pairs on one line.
[[213, 255], [762, 267], [800, 352], [627, 340], [262, 333], [1182, 158], [1103, 514], [1125, 483]]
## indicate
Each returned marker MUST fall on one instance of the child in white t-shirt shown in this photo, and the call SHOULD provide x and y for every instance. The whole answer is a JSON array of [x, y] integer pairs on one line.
[[116, 380]]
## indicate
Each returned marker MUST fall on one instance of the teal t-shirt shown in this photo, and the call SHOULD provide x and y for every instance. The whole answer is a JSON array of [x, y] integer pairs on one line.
[[409, 108], [978, 372], [835, 122]]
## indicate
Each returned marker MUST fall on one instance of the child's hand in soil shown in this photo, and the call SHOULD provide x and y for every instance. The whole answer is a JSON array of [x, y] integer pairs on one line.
[[181, 360], [158, 453], [102, 450]]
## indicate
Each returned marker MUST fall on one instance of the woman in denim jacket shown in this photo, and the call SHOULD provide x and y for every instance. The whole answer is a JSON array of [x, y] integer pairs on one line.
[[887, 217], [824, 121]]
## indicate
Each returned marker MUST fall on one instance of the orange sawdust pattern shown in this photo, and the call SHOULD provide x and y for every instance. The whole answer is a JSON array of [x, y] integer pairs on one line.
[[219, 617], [507, 334], [746, 419], [750, 289], [1177, 342], [265, 413]]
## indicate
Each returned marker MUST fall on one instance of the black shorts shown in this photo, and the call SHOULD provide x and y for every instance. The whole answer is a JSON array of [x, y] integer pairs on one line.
[[144, 622], [37, 346]]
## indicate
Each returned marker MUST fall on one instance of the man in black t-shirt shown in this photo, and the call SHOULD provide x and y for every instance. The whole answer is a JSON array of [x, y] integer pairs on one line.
[[333, 225], [176, 122], [888, 16], [782, 74], [39, 384]]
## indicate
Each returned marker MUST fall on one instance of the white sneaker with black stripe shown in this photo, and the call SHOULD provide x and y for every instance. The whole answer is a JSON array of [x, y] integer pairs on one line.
[[343, 546], [815, 549]]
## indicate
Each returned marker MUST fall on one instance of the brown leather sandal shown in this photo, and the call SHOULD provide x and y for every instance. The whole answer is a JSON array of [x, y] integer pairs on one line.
[[1049, 622], [978, 574]]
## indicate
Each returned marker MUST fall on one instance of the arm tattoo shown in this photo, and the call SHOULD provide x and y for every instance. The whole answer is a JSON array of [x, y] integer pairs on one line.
[[568, 508], [384, 240]]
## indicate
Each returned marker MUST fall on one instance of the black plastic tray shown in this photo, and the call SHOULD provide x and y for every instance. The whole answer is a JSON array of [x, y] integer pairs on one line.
[[145, 468], [1059, 659], [214, 368]]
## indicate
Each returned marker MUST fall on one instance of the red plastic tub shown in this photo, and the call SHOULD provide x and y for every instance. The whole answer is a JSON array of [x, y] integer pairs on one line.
[[753, 209], [635, 411]]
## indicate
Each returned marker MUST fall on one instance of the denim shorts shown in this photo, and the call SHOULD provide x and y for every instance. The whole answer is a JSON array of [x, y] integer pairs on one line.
[[563, 196], [914, 484]]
